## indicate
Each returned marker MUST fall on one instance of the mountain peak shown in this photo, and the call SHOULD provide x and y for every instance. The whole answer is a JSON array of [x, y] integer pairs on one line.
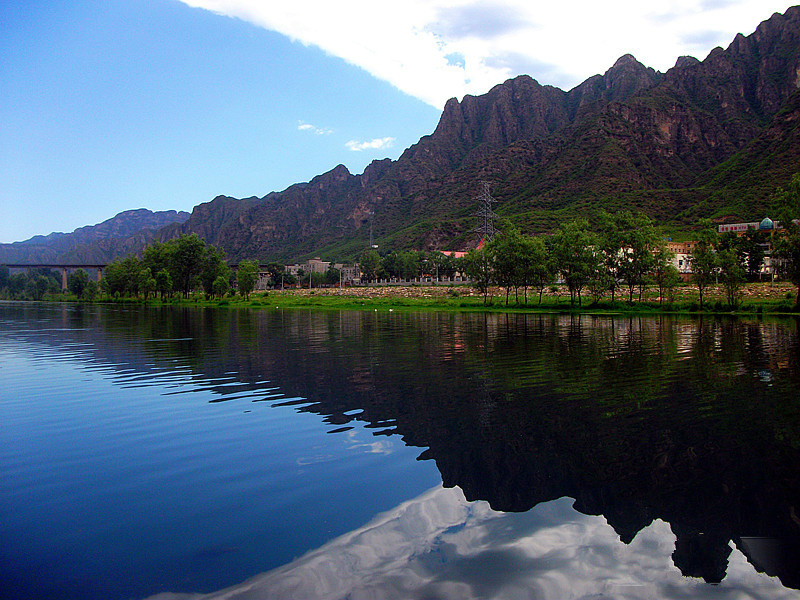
[[626, 59], [627, 63], [624, 79], [686, 61]]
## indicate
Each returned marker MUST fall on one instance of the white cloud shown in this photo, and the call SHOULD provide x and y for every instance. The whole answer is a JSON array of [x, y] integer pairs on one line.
[[411, 44], [303, 126], [375, 144]]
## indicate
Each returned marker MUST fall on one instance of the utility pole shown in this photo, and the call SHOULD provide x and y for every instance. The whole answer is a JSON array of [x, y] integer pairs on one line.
[[371, 217]]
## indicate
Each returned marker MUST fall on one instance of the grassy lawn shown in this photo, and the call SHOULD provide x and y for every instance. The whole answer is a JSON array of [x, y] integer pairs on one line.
[[756, 298]]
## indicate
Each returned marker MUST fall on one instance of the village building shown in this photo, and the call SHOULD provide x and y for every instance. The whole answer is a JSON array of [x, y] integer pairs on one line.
[[312, 265], [350, 274], [682, 256], [769, 265]]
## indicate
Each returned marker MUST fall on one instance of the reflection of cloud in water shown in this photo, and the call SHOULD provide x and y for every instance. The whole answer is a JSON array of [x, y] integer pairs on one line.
[[378, 447], [441, 546], [304, 461]]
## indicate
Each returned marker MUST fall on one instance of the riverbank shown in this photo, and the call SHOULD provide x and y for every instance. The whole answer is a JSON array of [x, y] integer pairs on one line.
[[756, 298]]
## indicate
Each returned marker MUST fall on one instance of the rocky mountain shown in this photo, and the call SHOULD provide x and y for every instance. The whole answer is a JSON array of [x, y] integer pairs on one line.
[[126, 232], [710, 138], [706, 138]]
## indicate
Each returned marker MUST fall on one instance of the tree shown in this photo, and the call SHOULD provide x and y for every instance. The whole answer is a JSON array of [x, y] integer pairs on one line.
[[611, 244], [332, 276], [391, 265], [643, 242], [628, 249], [748, 250], [732, 275], [477, 266], [600, 281], [147, 283], [51, 284], [221, 286], [572, 249], [539, 267], [16, 285], [132, 268], [671, 280], [163, 283], [246, 277], [277, 273], [289, 279], [122, 276], [186, 255], [664, 273], [213, 266], [411, 264], [37, 286], [433, 264], [752, 252], [156, 256], [509, 254], [704, 259], [77, 282], [787, 245], [314, 279], [113, 281], [448, 265], [369, 264], [90, 291]]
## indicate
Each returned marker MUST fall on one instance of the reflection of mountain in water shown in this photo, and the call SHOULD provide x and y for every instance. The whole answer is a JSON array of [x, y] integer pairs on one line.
[[694, 422], [637, 419], [441, 546]]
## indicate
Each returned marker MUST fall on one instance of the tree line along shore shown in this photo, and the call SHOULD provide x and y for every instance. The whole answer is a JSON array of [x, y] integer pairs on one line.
[[620, 261]]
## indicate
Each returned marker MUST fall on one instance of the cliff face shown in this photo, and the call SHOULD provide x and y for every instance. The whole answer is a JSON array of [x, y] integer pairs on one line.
[[470, 133]]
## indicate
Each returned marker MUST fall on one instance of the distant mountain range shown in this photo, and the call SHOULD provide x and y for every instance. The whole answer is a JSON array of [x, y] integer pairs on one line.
[[125, 233], [705, 139]]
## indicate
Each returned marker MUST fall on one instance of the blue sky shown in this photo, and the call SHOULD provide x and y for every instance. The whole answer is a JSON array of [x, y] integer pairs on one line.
[[118, 104]]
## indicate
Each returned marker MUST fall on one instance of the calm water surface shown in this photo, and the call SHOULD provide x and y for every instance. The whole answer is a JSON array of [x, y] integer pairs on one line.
[[304, 454]]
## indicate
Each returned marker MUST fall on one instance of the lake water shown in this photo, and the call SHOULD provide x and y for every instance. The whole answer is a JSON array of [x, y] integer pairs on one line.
[[177, 453]]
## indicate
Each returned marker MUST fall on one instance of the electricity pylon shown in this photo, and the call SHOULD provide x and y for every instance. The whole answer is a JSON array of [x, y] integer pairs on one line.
[[485, 214]]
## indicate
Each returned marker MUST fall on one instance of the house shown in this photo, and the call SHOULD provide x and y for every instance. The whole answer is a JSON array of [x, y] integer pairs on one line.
[[682, 256]]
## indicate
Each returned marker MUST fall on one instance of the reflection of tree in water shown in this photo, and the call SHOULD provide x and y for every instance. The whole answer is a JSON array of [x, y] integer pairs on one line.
[[692, 421]]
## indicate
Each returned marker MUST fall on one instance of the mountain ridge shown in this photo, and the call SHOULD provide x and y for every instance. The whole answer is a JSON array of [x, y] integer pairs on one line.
[[92, 243]]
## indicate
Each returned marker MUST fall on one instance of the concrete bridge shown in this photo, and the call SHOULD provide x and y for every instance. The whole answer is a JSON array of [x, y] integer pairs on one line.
[[62, 267]]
